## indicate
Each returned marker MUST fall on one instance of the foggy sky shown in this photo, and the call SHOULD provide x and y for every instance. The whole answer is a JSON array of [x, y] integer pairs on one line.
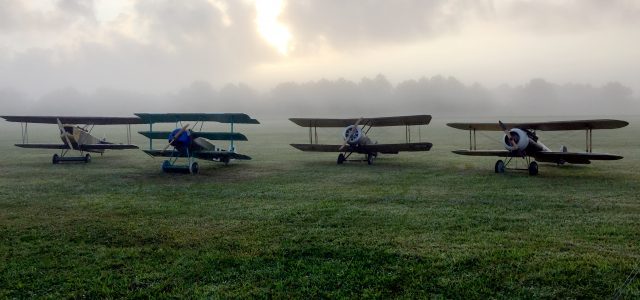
[[119, 56]]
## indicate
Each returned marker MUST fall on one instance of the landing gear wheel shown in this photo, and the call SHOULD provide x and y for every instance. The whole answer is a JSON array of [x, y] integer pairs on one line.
[[193, 168], [87, 158], [341, 158], [225, 160], [165, 166], [533, 168], [370, 158], [55, 159], [500, 167]]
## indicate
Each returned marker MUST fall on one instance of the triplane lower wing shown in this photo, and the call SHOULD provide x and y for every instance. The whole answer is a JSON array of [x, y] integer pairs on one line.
[[190, 142], [520, 141], [73, 136], [356, 139]]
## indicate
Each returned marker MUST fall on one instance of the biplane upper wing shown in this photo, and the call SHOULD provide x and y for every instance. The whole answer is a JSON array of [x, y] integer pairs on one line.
[[238, 118], [373, 122], [381, 148], [74, 120], [545, 126], [204, 154]]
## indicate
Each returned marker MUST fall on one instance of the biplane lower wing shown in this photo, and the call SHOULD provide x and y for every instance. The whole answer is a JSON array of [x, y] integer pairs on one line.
[[546, 156], [206, 155], [377, 148], [43, 146], [500, 153], [106, 147], [574, 157], [85, 147]]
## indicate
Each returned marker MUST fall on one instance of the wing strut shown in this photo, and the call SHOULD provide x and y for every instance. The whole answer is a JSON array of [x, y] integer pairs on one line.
[[472, 139]]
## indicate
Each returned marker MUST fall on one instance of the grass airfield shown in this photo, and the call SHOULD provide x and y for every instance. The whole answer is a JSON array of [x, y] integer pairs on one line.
[[290, 224]]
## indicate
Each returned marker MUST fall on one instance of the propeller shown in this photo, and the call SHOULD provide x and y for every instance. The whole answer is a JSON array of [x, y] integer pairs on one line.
[[353, 131], [63, 134], [508, 134], [176, 136]]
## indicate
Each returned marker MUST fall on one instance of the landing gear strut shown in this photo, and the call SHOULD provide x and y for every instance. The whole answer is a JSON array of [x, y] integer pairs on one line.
[[533, 168]]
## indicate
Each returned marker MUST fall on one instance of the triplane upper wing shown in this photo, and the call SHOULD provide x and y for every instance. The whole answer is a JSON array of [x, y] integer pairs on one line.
[[520, 141], [356, 139], [190, 142], [75, 137]]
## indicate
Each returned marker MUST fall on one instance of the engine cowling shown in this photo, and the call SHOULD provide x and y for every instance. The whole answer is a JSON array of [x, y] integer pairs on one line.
[[352, 135], [519, 137], [522, 140], [184, 140]]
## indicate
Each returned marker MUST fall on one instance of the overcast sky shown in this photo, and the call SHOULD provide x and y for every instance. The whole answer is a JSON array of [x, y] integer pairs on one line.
[[163, 46]]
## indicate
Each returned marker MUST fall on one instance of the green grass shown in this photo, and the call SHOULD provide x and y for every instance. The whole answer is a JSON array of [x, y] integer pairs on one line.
[[295, 225]]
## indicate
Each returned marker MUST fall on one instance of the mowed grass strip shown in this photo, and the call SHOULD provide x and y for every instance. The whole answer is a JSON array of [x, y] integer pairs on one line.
[[295, 225]]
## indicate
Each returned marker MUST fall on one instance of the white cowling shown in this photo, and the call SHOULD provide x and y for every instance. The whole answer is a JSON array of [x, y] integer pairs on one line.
[[352, 138], [519, 136]]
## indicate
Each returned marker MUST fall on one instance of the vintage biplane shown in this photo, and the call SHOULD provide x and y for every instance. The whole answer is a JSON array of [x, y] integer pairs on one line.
[[190, 142], [355, 136], [520, 141], [75, 137]]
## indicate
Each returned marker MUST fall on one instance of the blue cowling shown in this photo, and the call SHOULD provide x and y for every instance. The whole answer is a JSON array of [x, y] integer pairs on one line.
[[184, 140]]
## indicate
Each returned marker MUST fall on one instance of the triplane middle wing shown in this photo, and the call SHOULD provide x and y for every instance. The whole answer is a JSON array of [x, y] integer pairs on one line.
[[356, 139], [520, 141], [73, 136], [190, 142]]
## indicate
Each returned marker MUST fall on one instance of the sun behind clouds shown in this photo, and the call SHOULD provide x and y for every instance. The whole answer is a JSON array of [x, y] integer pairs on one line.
[[274, 32]]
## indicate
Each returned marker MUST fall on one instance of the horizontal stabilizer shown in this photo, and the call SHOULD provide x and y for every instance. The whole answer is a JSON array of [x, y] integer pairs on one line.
[[214, 136], [544, 126], [373, 122], [237, 118]]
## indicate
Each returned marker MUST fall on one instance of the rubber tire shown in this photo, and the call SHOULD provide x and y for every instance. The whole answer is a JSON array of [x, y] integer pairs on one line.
[[87, 158], [165, 166], [55, 159], [533, 168], [499, 167], [341, 158], [193, 168], [225, 160], [370, 158]]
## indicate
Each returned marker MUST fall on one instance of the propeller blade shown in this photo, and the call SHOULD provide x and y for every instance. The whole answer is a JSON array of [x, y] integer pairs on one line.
[[355, 128], [64, 134], [175, 137], [508, 134]]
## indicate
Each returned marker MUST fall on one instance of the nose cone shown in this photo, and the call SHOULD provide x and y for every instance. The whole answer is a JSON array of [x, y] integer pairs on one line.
[[183, 139]]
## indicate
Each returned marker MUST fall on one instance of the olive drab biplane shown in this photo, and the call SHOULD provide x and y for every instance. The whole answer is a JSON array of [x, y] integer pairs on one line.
[[521, 141], [356, 140], [74, 136], [189, 142]]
